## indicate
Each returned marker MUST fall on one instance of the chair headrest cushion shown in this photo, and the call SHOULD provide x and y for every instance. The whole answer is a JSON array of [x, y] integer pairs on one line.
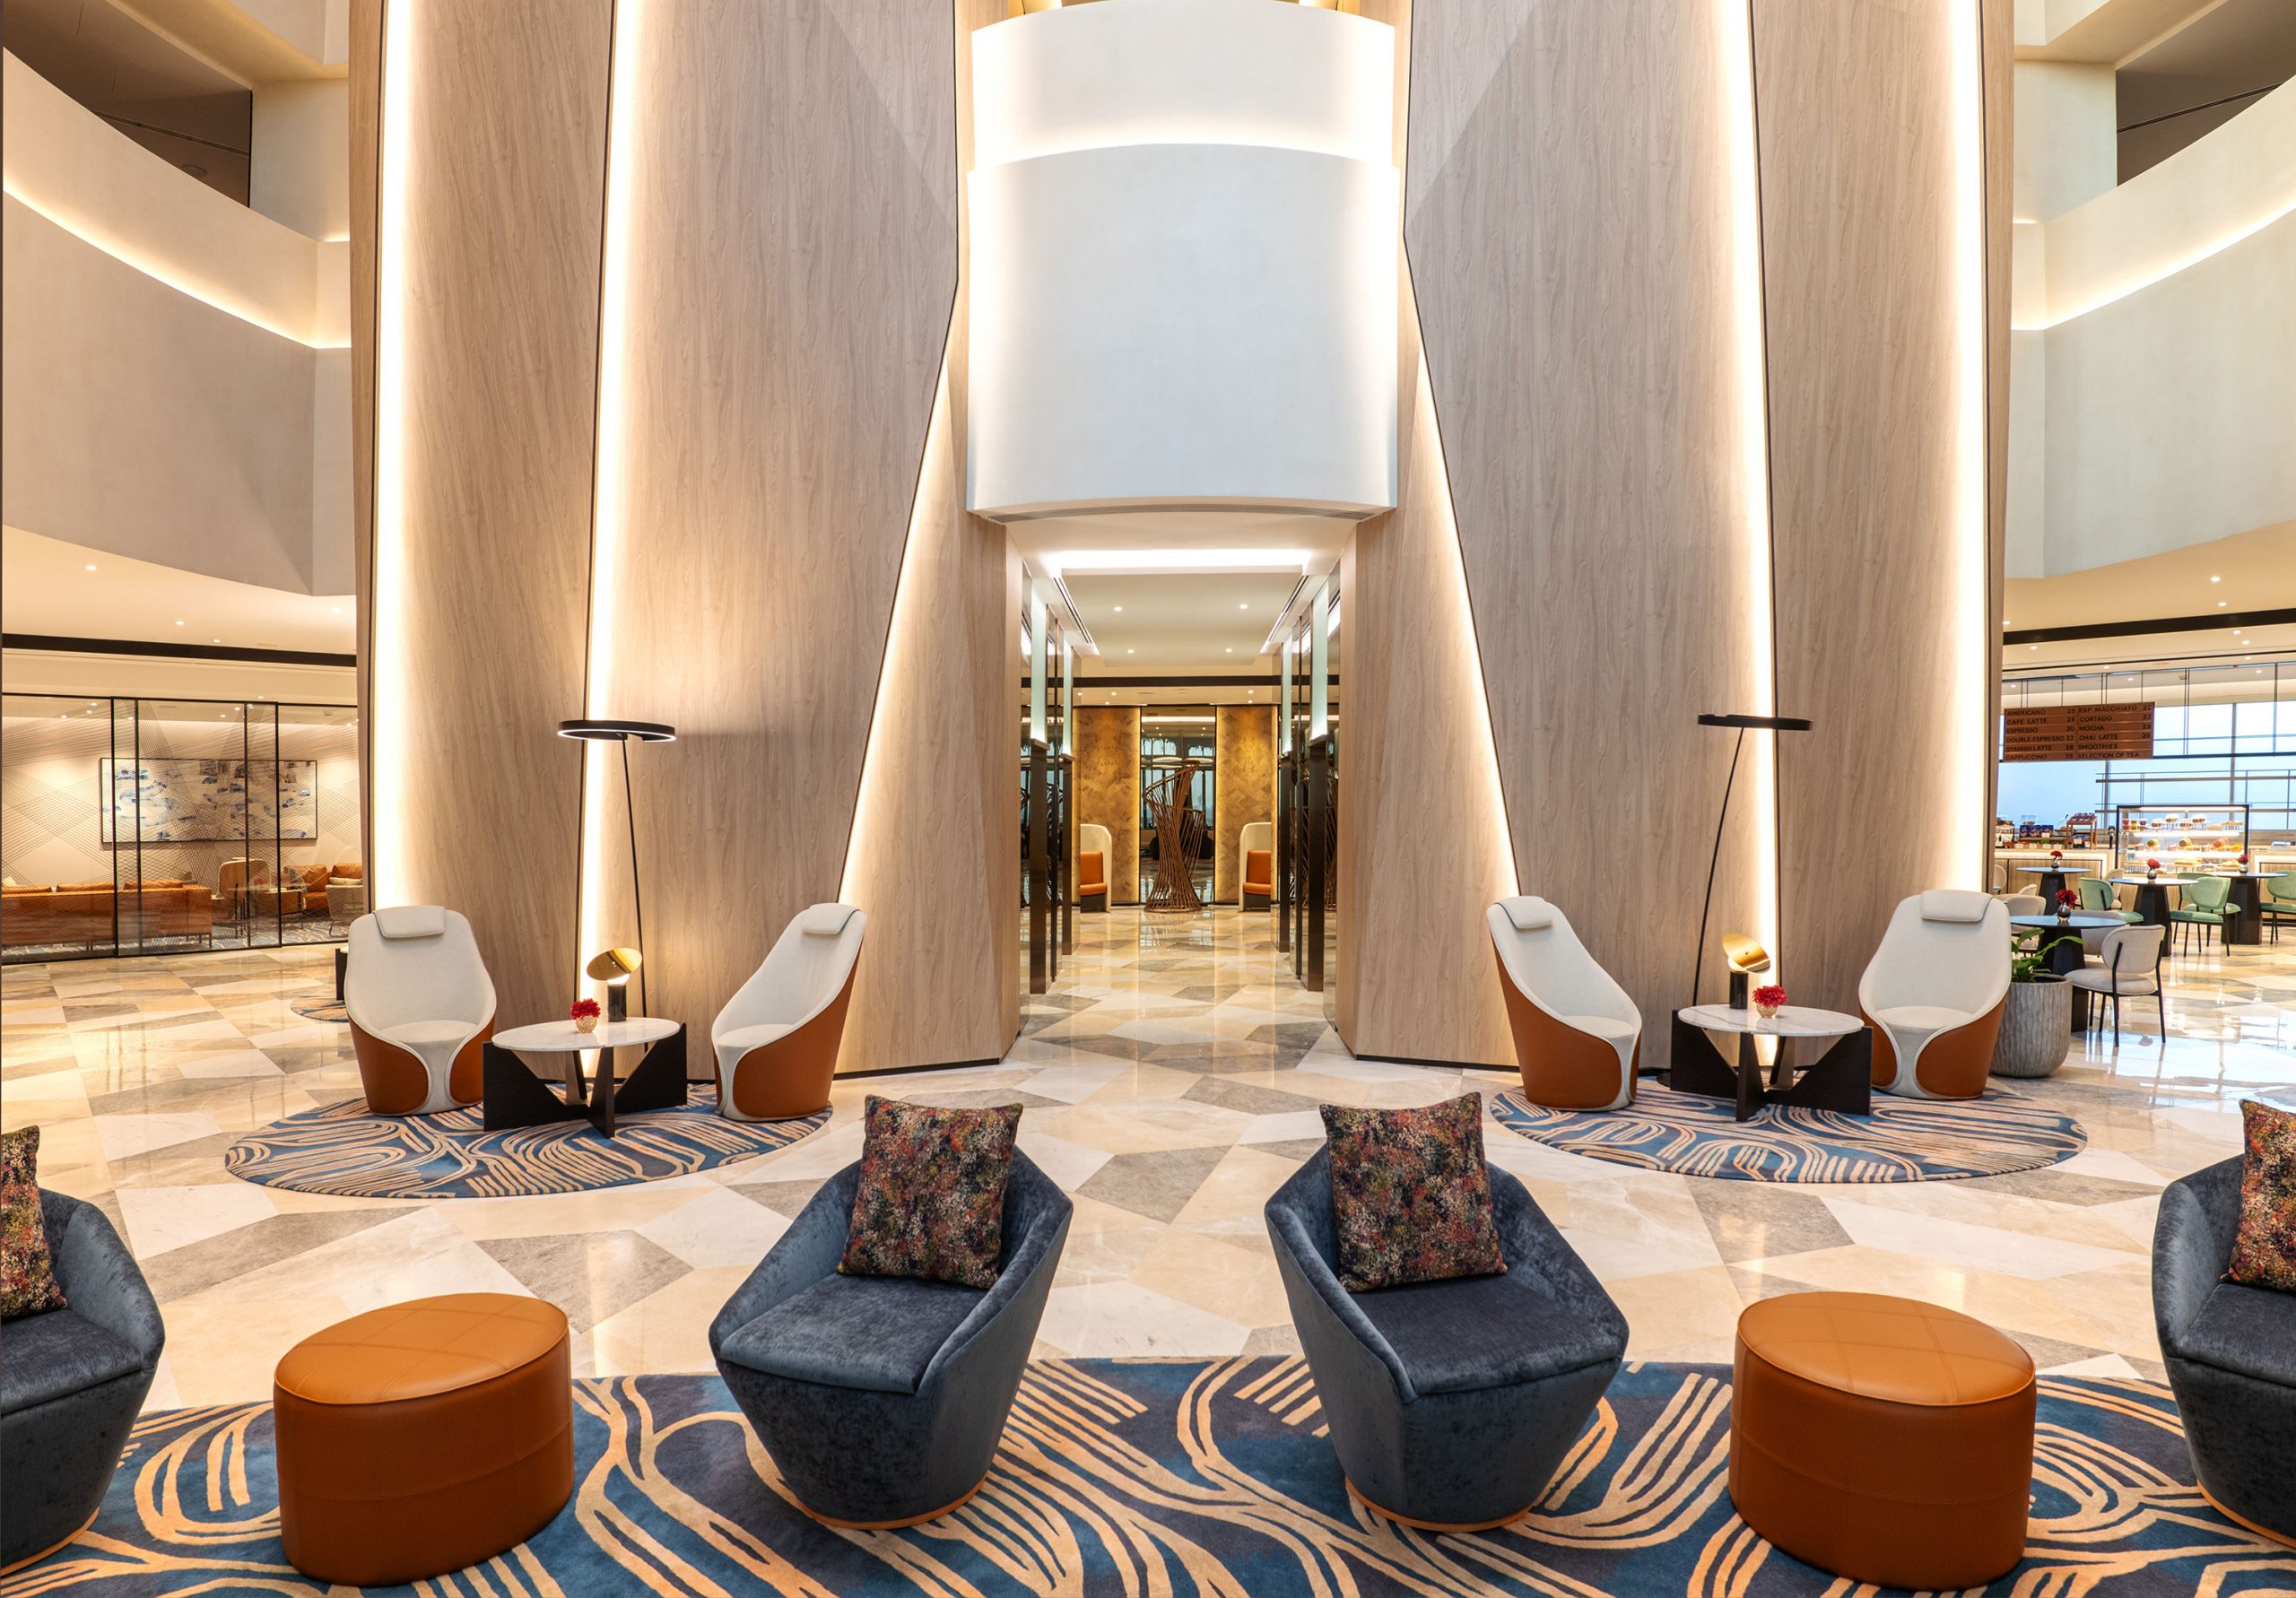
[[412, 921], [825, 921], [1954, 904], [1528, 914]]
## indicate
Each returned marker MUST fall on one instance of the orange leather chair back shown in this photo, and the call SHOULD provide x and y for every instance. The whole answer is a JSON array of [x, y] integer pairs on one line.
[[1260, 871], [1091, 874]]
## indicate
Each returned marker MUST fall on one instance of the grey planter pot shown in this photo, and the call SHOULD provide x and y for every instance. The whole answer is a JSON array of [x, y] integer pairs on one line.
[[2035, 1029]]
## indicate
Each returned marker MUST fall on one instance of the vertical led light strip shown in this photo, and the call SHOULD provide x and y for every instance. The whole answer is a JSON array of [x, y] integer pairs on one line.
[[388, 695], [609, 452], [1749, 408], [1970, 652]]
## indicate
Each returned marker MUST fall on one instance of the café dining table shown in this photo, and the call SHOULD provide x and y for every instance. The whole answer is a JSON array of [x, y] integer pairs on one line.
[[2152, 895]]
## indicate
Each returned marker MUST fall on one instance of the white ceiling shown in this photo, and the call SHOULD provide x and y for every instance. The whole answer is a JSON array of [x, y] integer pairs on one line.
[[1041, 539], [1180, 623], [46, 587]]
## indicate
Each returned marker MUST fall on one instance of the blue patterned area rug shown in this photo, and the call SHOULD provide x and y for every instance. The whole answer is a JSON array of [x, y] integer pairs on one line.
[[344, 1149], [1179, 1477], [1904, 1140]]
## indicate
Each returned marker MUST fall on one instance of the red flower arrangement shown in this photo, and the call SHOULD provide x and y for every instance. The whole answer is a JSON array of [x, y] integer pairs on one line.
[[2065, 899], [2244, 857], [2152, 864], [2056, 854], [583, 1015], [1769, 998]]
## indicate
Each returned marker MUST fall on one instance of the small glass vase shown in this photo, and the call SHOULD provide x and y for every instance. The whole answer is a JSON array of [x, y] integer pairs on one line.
[[586, 1023], [1767, 1012]]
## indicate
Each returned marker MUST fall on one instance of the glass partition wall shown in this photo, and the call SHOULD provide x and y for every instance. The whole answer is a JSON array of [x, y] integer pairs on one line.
[[161, 825]]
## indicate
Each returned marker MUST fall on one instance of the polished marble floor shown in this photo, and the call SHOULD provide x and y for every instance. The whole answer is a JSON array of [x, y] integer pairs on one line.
[[1170, 1081]]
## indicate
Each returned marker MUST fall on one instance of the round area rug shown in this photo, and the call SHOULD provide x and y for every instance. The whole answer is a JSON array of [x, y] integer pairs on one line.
[[1171, 1476], [345, 1149], [1904, 1140], [329, 1009]]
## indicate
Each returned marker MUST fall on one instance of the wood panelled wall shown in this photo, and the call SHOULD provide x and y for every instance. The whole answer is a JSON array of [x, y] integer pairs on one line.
[[484, 654], [1858, 143], [791, 235], [1108, 789], [1570, 206], [1243, 741], [935, 857]]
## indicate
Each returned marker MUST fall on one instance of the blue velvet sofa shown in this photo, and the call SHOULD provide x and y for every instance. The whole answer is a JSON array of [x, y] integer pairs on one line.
[[72, 1381], [2230, 1353], [1450, 1403], [881, 1399]]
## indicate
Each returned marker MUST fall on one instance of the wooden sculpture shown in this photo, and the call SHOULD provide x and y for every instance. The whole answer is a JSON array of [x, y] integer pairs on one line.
[[1180, 838]]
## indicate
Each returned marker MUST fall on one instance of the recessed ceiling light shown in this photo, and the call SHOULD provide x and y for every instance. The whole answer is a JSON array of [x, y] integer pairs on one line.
[[2220, 604], [179, 623], [1230, 651], [1120, 610], [1243, 607], [91, 569], [1128, 651], [2215, 579]]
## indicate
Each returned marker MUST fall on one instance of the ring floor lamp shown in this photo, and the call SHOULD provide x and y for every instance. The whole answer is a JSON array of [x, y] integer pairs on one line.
[[615, 966], [1741, 963]]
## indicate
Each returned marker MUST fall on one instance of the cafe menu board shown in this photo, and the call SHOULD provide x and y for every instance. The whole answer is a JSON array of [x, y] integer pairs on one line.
[[2077, 732]]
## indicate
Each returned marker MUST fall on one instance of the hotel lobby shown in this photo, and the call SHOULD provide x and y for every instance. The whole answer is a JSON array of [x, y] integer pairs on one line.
[[1148, 796]]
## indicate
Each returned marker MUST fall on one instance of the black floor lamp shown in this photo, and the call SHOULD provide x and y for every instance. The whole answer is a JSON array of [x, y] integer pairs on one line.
[[624, 732], [1744, 724]]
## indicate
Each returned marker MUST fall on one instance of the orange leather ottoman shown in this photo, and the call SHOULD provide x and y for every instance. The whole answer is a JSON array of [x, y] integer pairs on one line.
[[423, 1437], [1883, 1439]]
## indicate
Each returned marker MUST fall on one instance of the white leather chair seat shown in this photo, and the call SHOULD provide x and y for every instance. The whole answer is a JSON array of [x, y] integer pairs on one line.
[[417, 1034], [2097, 979], [1922, 1018], [732, 1045], [1606, 1028]]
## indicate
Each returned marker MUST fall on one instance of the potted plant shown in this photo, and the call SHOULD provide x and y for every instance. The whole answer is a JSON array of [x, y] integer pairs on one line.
[[2152, 870], [1768, 999], [585, 1014], [2036, 1020], [2065, 900]]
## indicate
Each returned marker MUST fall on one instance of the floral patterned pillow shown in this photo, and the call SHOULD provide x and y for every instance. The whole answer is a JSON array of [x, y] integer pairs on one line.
[[1410, 1195], [931, 1200], [2264, 1250], [27, 1274]]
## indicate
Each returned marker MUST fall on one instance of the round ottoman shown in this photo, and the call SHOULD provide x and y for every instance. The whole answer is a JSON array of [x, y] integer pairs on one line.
[[421, 1439], [1881, 1439]]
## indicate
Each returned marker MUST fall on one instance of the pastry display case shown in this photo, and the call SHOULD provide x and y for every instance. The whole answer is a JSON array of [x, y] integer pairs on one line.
[[2184, 839]]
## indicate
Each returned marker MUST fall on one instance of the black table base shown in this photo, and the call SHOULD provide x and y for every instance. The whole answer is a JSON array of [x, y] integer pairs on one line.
[[1840, 1079], [515, 1097], [2248, 927]]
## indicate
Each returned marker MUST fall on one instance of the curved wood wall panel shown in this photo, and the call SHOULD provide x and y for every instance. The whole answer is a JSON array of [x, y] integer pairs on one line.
[[1108, 789], [480, 650], [792, 265], [1568, 224], [1859, 186]]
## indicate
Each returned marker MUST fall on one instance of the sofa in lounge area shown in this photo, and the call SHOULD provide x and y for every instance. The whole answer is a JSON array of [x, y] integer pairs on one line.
[[84, 912]]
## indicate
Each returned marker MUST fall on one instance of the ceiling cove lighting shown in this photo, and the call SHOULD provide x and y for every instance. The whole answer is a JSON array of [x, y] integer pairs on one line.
[[183, 281], [389, 686], [1971, 653], [1119, 561], [609, 491], [1750, 399]]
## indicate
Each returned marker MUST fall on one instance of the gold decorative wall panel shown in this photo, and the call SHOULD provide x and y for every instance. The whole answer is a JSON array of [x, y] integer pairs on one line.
[[1108, 789], [1243, 755]]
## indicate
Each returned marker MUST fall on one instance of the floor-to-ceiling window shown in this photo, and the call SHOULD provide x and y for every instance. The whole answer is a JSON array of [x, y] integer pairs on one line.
[[161, 826]]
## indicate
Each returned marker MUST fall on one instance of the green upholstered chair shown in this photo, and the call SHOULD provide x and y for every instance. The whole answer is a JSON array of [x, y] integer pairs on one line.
[[2279, 901], [2207, 902], [2097, 896]]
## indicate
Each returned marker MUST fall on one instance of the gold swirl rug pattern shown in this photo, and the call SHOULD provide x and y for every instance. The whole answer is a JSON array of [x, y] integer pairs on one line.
[[346, 1149], [1167, 1479], [1904, 1140]]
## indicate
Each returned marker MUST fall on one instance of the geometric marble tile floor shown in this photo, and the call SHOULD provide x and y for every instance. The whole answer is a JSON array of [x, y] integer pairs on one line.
[[1171, 1082]]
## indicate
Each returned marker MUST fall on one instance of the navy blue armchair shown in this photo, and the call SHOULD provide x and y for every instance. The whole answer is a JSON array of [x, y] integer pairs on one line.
[[72, 1381], [2230, 1353], [882, 1399], [1450, 1403]]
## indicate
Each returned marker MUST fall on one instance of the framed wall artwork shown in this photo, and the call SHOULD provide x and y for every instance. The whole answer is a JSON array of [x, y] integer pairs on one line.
[[202, 801]]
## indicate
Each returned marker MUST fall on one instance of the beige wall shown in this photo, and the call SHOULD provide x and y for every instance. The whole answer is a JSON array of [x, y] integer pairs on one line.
[[301, 156], [773, 574], [1595, 503]]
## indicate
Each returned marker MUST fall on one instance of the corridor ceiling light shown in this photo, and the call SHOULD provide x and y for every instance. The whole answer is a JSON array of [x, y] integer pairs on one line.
[[1149, 560], [1120, 610], [2212, 579], [91, 569]]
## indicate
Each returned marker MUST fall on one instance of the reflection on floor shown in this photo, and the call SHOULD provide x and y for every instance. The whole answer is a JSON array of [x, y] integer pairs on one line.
[[1171, 1082]]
